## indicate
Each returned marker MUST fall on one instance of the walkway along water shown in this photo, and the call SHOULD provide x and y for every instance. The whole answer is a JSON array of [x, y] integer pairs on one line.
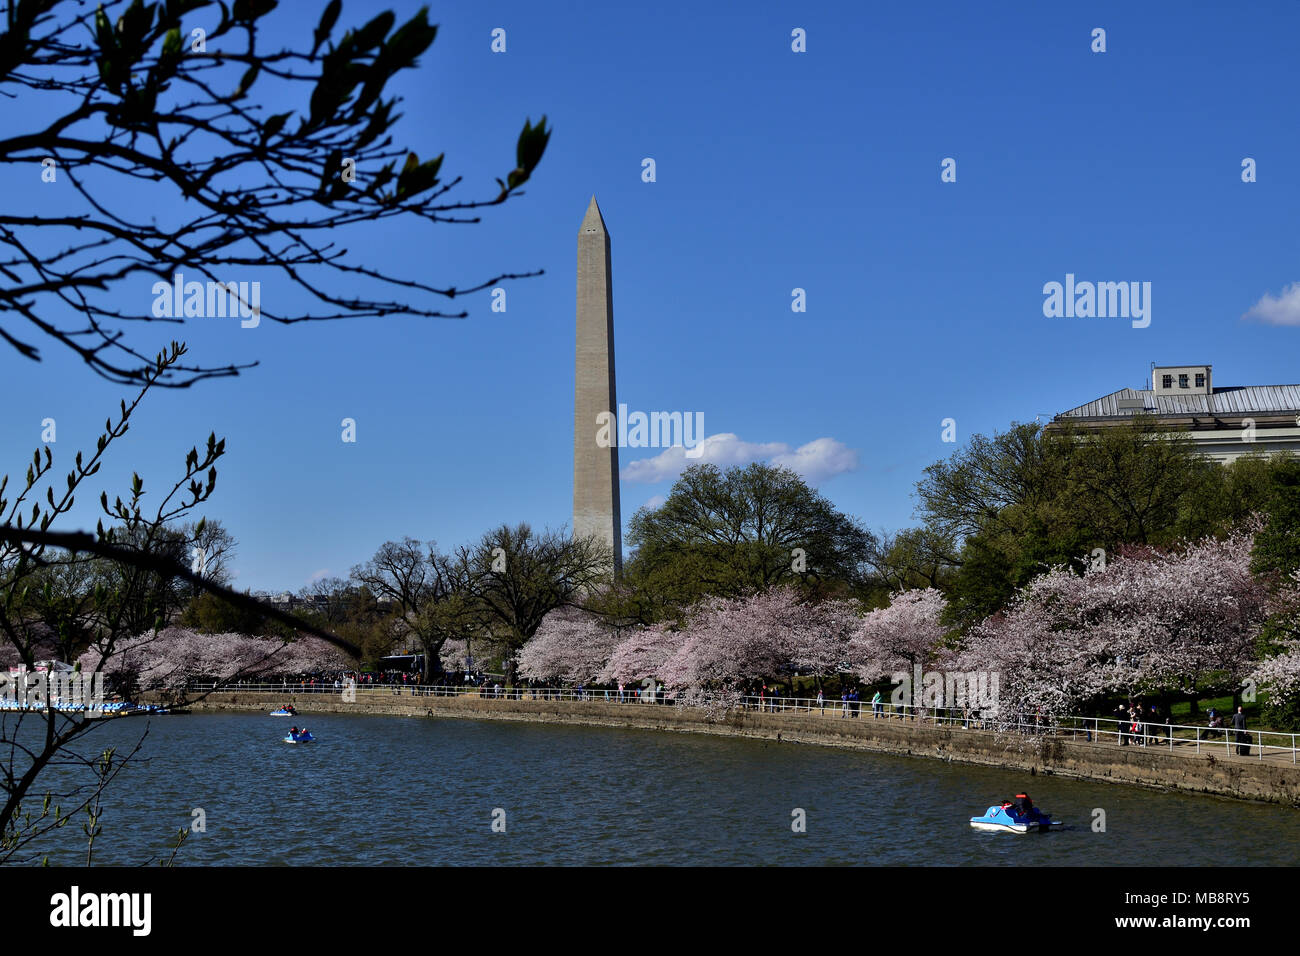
[[1173, 757]]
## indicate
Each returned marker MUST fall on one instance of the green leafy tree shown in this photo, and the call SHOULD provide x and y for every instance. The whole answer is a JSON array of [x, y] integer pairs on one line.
[[1226, 496], [1277, 546], [1124, 484], [1030, 498], [736, 532], [913, 559]]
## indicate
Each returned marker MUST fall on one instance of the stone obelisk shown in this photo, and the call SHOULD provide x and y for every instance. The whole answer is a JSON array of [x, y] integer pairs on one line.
[[595, 468]]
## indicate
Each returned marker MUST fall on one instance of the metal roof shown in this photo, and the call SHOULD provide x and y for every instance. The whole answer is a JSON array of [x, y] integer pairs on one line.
[[1236, 400]]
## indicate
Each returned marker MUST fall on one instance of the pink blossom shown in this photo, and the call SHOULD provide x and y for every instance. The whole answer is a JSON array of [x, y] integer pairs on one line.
[[570, 646], [641, 654], [898, 637], [1146, 622], [174, 656], [728, 642]]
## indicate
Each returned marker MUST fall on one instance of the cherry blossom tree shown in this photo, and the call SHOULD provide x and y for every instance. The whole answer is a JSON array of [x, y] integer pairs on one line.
[[1041, 657], [734, 640], [727, 643], [170, 659], [1280, 675], [452, 655], [641, 654], [1183, 621], [303, 655], [820, 645], [569, 645], [898, 637], [724, 643]]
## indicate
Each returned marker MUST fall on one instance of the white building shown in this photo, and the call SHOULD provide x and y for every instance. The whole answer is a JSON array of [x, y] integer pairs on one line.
[[1225, 423]]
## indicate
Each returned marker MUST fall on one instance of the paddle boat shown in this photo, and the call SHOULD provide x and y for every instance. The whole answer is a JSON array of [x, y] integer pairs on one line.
[[284, 712], [1016, 816], [302, 737]]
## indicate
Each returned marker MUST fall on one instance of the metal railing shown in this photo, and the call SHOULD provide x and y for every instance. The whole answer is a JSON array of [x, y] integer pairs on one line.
[[500, 692], [1176, 738]]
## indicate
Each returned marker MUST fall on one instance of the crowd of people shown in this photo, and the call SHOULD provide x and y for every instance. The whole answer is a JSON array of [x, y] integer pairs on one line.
[[768, 698], [1140, 726]]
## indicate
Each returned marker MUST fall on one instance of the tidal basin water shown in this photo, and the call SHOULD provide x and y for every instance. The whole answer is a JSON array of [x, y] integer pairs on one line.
[[400, 791]]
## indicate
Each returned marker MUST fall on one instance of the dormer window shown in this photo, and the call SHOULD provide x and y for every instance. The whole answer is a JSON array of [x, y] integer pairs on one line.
[[1167, 381], [1182, 381], [1200, 380]]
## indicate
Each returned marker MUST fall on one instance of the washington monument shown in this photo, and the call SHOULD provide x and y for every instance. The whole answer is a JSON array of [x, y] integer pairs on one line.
[[595, 469]]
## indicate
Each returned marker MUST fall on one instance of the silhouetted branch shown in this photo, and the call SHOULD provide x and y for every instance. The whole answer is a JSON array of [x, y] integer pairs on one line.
[[137, 94]]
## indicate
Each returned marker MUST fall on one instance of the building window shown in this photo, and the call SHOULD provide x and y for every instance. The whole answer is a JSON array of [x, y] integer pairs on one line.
[[1167, 382], [1182, 381], [1200, 380]]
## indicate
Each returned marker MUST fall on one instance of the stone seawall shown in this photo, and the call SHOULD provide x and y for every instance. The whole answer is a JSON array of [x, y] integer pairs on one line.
[[1213, 771]]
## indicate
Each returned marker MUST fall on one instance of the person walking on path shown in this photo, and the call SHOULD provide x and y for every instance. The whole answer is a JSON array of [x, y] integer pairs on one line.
[[877, 706], [821, 701], [1243, 738]]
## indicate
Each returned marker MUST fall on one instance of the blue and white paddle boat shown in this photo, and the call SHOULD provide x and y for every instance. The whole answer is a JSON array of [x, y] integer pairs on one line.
[[1016, 816], [299, 736], [284, 712]]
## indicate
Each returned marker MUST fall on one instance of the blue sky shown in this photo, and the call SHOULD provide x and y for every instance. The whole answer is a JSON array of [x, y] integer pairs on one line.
[[775, 170]]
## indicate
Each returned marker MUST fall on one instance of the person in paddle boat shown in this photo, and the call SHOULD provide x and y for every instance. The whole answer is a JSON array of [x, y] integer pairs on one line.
[[293, 731]]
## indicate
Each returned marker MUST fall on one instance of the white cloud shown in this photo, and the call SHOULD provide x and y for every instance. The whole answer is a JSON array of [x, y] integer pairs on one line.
[[816, 461], [317, 575], [820, 459], [723, 450], [654, 502], [1278, 310]]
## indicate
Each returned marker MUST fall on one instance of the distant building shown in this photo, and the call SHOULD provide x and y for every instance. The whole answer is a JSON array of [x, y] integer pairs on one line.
[[288, 601], [1224, 423]]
